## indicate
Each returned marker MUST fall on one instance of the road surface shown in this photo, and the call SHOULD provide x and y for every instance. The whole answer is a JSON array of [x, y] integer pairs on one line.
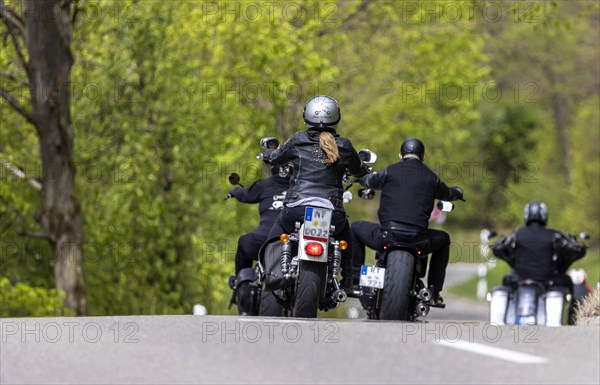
[[455, 346], [226, 349]]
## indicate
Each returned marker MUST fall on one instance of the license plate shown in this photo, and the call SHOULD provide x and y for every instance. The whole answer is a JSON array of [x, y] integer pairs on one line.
[[317, 222], [372, 276]]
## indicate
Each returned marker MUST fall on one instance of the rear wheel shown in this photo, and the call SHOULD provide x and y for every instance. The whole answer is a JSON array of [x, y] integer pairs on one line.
[[269, 306], [310, 288], [396, 287]]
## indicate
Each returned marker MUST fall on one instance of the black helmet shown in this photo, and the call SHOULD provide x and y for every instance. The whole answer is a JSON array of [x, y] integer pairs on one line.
[[536, 212], [322, 113], [413, 146]]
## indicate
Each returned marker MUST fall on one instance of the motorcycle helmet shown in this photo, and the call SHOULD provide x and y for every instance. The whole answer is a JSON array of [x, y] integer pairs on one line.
[[535, 212], [269, 143], [413, 146], [322, 113]]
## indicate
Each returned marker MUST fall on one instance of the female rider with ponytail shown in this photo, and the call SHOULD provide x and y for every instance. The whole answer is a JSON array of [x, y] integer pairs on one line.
[[319, 157]]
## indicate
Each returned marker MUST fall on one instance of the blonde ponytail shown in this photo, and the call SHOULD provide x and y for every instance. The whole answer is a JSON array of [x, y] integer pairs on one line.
[[329, 146]]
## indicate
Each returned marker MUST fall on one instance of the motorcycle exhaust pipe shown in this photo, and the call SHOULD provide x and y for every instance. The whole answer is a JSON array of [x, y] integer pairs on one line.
[[340, 296], [422, 309], [424, 294]]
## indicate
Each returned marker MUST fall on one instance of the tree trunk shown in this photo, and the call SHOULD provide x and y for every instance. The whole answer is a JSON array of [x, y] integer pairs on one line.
[[48, 39]]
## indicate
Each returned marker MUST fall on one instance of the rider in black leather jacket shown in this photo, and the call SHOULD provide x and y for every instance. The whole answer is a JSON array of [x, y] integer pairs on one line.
[[319, 157], [408, 193], [538, 253], [269, 193]]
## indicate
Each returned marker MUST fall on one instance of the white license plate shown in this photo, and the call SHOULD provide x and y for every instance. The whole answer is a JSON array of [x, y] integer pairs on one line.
[[372, 276], [317, 222]]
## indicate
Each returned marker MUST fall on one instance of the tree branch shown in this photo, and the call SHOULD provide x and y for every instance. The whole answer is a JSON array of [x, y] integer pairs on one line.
[[19, 51], [21, 175], [11, 19], [35, 234], [13, 77], [361, 8], [17, 106], [16, 27]]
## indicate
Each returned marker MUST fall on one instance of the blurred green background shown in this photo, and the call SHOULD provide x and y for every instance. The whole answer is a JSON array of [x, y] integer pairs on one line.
[[168, 98]]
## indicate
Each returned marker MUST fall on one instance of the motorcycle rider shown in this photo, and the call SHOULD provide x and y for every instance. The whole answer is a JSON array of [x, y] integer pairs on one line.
[[538, 253], [408, 192], [269, 194], [319, 157]]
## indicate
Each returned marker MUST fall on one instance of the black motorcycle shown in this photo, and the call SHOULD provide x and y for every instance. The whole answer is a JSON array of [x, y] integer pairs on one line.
[[393, 289], [247, 285], [531, 302], [300, 269]]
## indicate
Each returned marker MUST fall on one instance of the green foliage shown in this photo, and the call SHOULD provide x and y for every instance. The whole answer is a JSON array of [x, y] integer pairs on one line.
[[168, 98], [21, 300]]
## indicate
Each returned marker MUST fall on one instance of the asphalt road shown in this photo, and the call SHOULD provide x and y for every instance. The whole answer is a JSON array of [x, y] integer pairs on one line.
[[455, 346], [219, 349]]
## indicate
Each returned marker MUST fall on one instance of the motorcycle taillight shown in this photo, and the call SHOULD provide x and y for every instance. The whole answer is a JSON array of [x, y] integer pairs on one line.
[[314, 249]]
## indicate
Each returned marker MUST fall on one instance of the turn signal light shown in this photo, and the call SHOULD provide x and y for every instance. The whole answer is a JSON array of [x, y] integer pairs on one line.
[[284, 238], [343, 245], [314, 249]]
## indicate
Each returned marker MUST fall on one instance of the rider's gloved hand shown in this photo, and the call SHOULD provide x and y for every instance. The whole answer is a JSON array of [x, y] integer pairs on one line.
[[266, 156], [457, 193], [347, 196], [230, 194]]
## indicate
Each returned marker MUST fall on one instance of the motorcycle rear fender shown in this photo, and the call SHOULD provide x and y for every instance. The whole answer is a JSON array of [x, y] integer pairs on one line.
[[302, 253], [420, 259], [527, 300]]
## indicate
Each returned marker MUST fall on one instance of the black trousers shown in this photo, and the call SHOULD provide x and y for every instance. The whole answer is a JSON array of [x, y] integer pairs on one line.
[[437, 244], [286, 221], [247, 249]]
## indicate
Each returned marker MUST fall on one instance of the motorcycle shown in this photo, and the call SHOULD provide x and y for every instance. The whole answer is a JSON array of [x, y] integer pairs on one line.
[[392, 288], [247, 285], [300, 269], [531, 302]]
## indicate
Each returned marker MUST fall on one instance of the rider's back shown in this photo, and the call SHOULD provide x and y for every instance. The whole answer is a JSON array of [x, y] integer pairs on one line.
[[312, 177], [534, 250], [408, 194]]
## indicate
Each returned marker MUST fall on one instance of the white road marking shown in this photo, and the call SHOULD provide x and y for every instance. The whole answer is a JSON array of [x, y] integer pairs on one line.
[[503, 354]]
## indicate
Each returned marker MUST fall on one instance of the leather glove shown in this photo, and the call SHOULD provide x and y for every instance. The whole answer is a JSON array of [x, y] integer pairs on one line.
[[457, 193]]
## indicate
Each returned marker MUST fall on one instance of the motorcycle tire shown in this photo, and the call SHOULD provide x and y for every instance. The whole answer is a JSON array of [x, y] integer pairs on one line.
[[309, 288], [396, 287], [269, 306]]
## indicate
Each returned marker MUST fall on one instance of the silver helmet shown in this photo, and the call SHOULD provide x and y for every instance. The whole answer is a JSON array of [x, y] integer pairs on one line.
[[322, 113]]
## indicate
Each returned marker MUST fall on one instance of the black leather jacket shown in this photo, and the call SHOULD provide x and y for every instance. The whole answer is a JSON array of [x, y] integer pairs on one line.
[[269, 193], [536, 252], [311, 177], [408, 192]]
